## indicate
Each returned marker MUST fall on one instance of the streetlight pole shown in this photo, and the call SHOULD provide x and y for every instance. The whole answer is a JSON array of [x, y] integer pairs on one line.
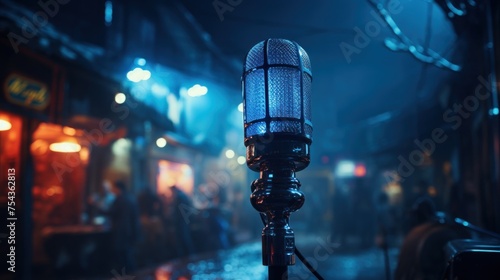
[[278, 133]]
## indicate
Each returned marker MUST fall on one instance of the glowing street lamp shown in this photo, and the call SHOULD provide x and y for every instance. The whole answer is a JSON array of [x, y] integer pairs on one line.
[[230, 153], [138, 74], [197, 90], [120, 98], [161, 142]]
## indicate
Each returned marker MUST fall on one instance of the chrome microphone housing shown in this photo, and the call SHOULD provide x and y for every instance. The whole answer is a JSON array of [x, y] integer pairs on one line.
[[276, 86]]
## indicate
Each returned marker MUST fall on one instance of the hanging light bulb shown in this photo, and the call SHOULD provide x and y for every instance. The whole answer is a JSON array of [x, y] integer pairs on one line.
[[5, 125], [67, 146]]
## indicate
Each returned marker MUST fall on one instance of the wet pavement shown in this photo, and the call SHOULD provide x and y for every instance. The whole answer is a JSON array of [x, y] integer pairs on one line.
[[332, 261]]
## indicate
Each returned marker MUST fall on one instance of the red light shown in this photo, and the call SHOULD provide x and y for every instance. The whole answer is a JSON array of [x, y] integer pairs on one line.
[[360, 171], [325, 159]]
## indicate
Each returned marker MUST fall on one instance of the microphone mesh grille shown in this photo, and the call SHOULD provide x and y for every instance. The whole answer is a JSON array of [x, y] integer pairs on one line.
[[277, 89], [307, 95], [285, 126], [279, 51], [306, 63], [255, 57], [282, 79], [282, 51], [256, 95]]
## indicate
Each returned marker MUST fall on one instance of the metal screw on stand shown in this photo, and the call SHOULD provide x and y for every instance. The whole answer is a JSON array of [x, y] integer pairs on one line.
[[276, 85]]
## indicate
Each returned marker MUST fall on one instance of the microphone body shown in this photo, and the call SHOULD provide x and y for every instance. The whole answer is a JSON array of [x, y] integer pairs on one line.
[[276, 85]]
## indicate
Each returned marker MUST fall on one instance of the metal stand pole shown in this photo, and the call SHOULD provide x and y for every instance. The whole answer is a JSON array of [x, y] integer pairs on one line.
[[276, 193], [278, 272]]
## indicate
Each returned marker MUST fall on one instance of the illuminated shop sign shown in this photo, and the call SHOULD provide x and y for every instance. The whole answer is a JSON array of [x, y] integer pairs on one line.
[[26, 92]]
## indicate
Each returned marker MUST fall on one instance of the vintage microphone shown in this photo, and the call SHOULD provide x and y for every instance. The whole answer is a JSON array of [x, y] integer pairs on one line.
[[276, 86]]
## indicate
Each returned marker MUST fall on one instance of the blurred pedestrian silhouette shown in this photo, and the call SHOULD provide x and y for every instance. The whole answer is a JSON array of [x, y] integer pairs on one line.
[[423, 210], [363, 212], [150, 204], [420, 207], [125, 228], [100, 202], [218, 222], [386, 228], [386, 222], [341, 213], [181, 210], [153, 243]]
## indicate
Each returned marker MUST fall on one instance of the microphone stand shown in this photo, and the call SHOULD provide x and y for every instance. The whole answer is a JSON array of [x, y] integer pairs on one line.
[[278, 135], [274, 272], [276, 194]]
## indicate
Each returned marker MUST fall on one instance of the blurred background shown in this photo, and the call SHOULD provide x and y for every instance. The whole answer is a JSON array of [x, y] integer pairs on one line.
[[122, 121]]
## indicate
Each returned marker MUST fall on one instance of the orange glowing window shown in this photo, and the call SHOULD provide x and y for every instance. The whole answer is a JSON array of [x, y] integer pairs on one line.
[[10, 148], [173, 173]]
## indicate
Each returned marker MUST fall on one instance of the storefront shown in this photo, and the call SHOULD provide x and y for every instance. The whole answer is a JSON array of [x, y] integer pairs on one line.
[[30, 101], [49, 133]]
